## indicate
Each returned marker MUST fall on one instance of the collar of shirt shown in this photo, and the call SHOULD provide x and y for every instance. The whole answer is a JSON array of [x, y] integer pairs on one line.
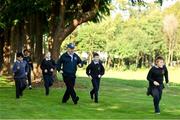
[[19, 61], [47, 59], [156, 66], [95, 62], [71, 55]]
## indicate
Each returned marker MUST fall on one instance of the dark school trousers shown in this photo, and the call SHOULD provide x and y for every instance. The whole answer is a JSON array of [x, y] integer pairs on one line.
[[20, 86], [70, 83], [94, 91]]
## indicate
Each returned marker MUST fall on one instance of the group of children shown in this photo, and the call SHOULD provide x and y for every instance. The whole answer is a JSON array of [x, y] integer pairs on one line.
[[67, 66]]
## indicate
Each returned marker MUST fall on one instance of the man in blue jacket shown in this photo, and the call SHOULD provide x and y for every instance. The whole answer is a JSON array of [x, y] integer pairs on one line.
[[20, 70], [67, 65]]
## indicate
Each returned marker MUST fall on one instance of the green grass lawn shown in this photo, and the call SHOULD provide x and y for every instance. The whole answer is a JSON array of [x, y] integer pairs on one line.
[[118, 99]]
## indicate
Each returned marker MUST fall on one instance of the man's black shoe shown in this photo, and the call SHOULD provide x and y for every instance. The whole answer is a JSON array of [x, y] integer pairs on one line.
[[96, 101], [76, 100], [91, 95]]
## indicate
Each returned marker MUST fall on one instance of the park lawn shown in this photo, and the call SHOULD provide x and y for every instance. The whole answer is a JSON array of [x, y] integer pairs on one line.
[[140, 74], [119, 99]]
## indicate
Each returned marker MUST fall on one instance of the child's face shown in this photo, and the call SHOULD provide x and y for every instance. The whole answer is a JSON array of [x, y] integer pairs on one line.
[[27, 53], [20, 58], [96, 58], [48, 55], [160, 63]]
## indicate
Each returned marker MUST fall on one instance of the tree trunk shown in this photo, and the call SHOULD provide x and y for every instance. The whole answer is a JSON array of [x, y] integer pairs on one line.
[[21, 37], [39, 39], [2, 41], [7, 52], [37, 44], [32, 30], [14, 40], [56, 49], [61, 31]]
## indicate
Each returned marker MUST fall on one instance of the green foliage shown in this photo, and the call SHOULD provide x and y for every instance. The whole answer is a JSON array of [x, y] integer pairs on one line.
[[174, 10], [20, 9], [2, 25], [90, 38], [126, 39]]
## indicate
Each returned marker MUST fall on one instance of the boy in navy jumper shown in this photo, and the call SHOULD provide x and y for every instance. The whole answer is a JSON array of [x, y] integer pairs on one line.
[[47, 67], [28, 59], [155, 78], [95, 71], [20, 70]]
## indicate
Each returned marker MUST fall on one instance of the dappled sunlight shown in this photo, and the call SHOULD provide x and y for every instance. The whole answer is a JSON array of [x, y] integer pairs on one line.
[[4, 82], [114, 107], [100, 109]]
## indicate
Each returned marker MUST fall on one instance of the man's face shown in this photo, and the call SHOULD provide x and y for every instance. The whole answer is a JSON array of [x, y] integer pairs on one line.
[[160, 63], [70, 51]]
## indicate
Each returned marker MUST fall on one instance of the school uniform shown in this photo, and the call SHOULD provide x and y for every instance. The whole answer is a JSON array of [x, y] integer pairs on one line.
[[30, 66], [95, 69], [20, 70], [68, 64], [157, 74], [47, 64]]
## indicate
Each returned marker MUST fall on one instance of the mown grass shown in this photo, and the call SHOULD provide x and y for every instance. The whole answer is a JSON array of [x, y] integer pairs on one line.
[[119, 99]]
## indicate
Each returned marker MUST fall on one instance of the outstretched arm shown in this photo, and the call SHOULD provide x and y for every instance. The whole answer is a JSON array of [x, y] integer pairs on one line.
[[88, 70], [31, 63], [42, 65], [54, 64], [149, 76], [166, 74], [15, 68], [26, 67], [59, 64], [80, 62], [102, 70]]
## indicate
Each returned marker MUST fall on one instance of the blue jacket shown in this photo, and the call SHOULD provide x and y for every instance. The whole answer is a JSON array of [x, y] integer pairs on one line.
[[68, 65], [20, 68]]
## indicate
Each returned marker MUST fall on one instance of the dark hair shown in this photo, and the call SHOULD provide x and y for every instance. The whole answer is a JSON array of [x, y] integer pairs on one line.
[[95, 54], [159, 58], [25, 50], [19, 54]]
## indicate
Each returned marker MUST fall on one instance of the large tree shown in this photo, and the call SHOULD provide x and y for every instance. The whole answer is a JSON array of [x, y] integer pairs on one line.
[[72, 13]]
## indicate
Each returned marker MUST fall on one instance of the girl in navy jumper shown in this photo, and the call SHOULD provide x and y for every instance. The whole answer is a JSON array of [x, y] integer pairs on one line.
[[47, 67]]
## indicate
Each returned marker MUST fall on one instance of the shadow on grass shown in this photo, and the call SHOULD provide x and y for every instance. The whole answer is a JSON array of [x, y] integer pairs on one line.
[[85, 82]]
